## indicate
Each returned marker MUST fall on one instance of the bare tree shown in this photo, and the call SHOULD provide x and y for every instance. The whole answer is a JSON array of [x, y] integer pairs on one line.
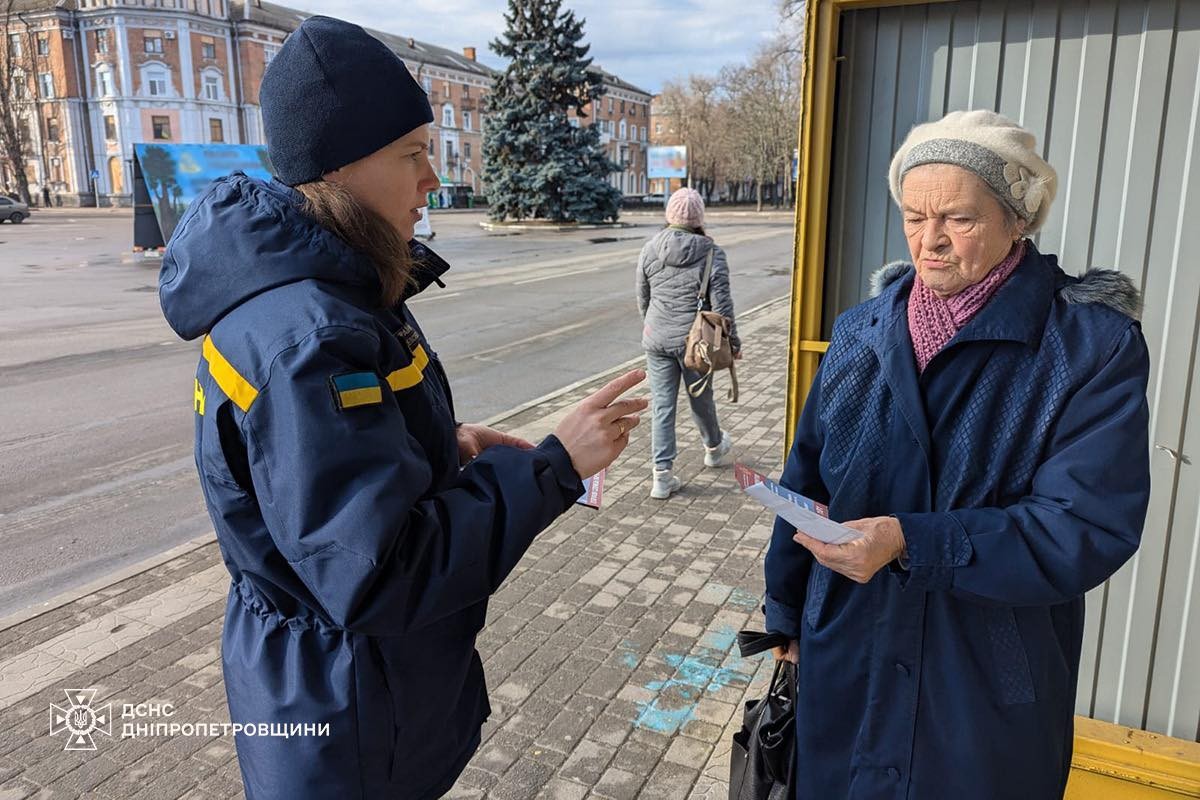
[[693, 106], [13, 86], [764, 98]]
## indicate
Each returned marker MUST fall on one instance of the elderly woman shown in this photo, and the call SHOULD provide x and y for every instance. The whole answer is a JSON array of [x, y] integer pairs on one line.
[[966, 420]]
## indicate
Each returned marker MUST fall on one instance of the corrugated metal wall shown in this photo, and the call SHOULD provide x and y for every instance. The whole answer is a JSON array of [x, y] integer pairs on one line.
[[1112, 90]]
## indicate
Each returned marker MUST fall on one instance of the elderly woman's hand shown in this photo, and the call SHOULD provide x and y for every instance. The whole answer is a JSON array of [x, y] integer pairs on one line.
[[882, 541]]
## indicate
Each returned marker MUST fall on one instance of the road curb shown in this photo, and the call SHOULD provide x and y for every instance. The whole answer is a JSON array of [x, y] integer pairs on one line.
[[125, 573], [132, 570], [566, 227]]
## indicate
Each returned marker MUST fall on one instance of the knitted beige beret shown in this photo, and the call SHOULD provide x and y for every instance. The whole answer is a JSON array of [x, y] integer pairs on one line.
[[998, 150]]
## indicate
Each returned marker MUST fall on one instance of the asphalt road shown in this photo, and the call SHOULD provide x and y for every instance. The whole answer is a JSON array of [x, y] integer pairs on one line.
[[96, 468]]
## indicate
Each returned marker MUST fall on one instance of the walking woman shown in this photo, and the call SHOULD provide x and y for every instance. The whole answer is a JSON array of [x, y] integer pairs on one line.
[[670, 273], [364, 530]]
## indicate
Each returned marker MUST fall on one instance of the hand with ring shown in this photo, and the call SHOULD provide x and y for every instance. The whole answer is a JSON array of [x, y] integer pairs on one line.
[[587, 432]]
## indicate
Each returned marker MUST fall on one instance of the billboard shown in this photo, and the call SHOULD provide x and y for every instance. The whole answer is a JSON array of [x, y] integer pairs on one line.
[[667, 162], [169, 176]]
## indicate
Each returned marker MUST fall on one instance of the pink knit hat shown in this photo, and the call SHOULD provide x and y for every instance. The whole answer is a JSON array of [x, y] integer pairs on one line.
[[686, 207]]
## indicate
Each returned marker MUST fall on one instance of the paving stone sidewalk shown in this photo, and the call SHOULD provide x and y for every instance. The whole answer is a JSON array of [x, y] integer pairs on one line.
[[609, 652]]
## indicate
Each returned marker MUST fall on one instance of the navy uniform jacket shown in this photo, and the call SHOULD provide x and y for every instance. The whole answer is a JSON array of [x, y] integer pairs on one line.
[[1018, 466], [361, 555]]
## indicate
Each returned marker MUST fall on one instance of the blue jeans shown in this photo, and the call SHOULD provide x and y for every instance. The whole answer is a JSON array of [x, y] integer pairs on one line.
[[665, 372]]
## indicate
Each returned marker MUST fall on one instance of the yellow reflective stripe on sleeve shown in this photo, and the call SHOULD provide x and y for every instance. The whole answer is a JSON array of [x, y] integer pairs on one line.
[[410, 376], [237, 388]]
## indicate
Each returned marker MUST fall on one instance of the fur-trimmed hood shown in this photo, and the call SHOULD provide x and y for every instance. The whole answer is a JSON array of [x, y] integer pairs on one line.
[[1107, 287]]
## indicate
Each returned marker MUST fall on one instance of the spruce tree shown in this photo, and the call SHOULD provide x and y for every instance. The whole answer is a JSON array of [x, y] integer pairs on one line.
[[536, 164]]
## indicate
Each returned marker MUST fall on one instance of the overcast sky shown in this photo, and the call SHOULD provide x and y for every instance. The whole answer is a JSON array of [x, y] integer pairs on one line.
[[645, 42]]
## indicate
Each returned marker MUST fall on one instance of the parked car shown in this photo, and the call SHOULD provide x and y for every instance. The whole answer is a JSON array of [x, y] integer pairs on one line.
[[653, 198], [13, 210]]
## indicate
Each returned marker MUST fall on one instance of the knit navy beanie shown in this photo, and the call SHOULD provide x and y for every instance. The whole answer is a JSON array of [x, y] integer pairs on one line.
[[335, 94]]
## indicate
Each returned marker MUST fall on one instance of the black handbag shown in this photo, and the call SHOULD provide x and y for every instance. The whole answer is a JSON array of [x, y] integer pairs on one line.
[[763, 757]]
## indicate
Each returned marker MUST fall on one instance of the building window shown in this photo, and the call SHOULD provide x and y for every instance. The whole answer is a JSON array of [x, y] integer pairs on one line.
[[466, 91], [467, 151], [610, 105], [466, 120], [152, 44], [624, 130], [216, 130], [162, 127], [46, 84], [212, 87], [43, 44], [56, 173], [208, 49], [110, 128], [52, 129], [20, 85], [102, 42], [658, 129], [14, 45], [104, 81], [269, 54], [427, 84], [645, 134], [622, 106], [156, 83], [447, 116]]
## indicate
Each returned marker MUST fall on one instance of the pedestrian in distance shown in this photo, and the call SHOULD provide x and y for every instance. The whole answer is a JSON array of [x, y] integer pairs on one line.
[[363, 528], [671, 271]]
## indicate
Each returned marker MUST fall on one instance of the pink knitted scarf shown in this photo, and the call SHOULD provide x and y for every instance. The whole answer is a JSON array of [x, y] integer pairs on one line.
[[934, 321]]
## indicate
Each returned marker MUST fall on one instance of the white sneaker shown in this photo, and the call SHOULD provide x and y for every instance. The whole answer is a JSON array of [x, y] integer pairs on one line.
[[721, 455], [665, 484]]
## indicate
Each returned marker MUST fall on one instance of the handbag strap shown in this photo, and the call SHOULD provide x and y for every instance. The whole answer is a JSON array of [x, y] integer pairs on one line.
[[708, 262]]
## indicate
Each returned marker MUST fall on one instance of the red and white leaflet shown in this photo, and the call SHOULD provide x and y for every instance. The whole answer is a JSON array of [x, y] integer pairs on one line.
[[593, 490], [803, 513]]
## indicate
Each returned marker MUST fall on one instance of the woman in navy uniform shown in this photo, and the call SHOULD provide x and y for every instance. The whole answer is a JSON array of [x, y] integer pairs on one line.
[[363, 529]]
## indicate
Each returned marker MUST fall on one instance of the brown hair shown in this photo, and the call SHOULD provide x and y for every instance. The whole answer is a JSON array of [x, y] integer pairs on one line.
[[334, 208]]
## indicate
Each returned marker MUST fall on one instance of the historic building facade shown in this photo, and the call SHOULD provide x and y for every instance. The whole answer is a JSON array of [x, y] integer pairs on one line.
[[623, 114], [96, 77]]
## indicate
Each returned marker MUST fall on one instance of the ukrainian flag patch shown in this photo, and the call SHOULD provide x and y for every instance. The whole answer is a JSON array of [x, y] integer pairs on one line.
[[354, 389]]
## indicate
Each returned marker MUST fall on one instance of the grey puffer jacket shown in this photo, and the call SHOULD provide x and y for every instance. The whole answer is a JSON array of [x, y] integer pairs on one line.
[[669, 271]]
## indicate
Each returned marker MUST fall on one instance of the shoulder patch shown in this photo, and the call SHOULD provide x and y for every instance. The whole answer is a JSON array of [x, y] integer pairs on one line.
[[355, 389]]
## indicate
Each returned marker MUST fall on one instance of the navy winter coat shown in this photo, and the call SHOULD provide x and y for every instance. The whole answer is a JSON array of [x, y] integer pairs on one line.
[[1018, 467], [361, 555]]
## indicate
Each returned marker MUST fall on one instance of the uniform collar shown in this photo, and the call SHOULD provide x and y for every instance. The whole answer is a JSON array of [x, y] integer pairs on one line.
[[428, 267]]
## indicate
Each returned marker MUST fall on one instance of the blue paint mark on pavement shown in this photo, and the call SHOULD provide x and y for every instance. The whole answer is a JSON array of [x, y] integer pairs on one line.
[[675, 701], [744, 600]]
